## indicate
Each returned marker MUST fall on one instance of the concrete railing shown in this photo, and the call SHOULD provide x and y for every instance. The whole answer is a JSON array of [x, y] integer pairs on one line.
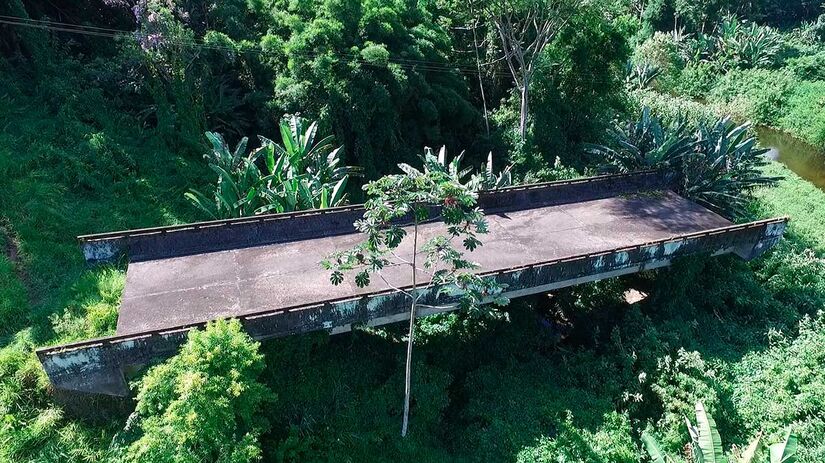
[[179, 240]]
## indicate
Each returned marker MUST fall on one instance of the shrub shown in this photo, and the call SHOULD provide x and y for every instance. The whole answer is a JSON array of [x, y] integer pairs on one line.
[[805, 112], [808, 67], [204, 404], [786, 384], [680, 382], [696, 80], [662, 53], [671, 109], [611, 443], [757, 94]]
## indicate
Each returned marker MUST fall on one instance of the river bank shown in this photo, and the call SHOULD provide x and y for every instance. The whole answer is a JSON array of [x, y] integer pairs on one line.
[[801, 157]]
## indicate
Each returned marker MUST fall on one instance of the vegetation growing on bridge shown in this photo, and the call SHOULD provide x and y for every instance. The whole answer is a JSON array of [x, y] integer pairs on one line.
[[411, 197], [103, 133]]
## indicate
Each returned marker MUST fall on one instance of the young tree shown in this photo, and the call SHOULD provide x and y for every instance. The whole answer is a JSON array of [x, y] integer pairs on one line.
[[204, 404], [525, 27], [398, 207]]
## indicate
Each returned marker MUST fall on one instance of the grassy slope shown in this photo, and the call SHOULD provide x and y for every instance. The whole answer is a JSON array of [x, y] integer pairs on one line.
[[784, 385], [800, 200], [70, 164]]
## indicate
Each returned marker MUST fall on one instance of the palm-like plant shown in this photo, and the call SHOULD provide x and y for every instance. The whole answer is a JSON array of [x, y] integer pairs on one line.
[[643, 144], [717, 166], [640, 76], [301, 174], [723, 166], [706, 444], [745, 45]]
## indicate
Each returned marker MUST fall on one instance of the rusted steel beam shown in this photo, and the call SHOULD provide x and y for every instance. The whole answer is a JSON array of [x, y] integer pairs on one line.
[[97, 366]]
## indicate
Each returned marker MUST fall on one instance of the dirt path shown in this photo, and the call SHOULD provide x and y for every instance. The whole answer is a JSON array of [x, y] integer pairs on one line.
[[11, 249]]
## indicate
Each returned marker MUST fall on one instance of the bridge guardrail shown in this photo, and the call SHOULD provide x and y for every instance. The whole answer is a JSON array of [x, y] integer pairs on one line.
[[195, 238]]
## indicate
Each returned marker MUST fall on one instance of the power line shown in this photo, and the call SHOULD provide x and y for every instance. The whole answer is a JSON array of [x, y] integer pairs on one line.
[[404, 63]]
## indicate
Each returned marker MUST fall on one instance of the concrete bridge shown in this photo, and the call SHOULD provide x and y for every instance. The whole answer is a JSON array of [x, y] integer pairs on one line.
[[265, 271]]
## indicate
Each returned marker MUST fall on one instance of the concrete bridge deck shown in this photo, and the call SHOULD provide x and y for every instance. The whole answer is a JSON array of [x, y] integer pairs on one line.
[[165, 293], [265, 270]]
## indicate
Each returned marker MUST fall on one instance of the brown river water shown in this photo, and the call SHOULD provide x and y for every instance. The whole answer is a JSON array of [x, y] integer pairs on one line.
[[802, 158]]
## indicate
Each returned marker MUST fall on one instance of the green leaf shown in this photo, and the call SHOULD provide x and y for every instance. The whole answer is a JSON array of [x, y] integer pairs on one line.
[[652, 448], [362, 279], [785, 451], [750, 453], [324, 197], [336, 278], [339, 192], [200, 201], [709, 441]]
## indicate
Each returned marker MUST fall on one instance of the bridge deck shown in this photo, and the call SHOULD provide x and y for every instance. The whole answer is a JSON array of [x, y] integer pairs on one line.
[[170, 292]]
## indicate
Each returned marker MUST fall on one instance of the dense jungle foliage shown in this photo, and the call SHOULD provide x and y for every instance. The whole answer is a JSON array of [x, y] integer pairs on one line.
[[106, 105]]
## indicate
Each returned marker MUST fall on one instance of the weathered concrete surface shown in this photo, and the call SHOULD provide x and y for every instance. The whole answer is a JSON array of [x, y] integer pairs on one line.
[[165, 293]]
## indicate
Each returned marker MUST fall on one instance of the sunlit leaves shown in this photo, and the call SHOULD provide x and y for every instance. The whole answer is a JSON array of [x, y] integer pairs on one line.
[[203, 404], [399, 208], [301, 174]]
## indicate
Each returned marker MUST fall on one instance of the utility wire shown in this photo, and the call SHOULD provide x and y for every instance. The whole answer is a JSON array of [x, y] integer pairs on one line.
[[404, 63]]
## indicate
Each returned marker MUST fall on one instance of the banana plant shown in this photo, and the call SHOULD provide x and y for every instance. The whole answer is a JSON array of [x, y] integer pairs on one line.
[[487, 179], [236, 192], [706, 445], [220, 155], [705, 439], [301, 174], [657, 455], [780, 452], [303, 154]]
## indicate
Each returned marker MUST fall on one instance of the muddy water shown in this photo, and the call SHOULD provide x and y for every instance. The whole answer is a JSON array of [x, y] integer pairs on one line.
[[805, 160]]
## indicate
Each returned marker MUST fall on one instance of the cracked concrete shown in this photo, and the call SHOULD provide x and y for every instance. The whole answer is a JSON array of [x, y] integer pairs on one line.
[[165, 293]]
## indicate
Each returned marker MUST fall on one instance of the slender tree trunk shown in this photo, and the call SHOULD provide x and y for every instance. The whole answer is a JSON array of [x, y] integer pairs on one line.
[[522, 124], [480, 81], [408, 376]]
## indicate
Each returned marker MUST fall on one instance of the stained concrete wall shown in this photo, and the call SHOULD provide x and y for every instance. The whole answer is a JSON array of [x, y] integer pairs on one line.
[[97, 366]]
